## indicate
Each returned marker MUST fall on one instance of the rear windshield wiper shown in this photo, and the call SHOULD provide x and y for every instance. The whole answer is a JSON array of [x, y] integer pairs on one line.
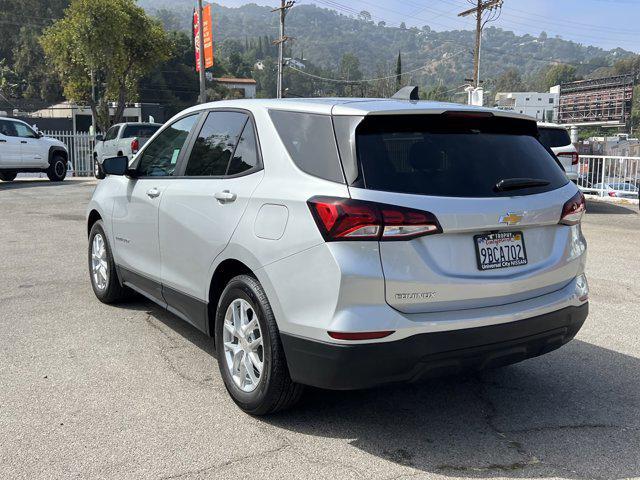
[[507, 184]]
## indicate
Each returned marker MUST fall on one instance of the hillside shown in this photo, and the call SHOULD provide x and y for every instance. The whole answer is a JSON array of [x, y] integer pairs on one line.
[[323, 36]]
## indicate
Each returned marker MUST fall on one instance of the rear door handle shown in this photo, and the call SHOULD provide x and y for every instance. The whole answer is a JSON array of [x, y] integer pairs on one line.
[[225, 196], [2, 140], [153, 192], [23, 141]]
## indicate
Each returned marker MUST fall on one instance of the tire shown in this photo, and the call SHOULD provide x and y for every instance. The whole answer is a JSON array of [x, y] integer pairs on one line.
[[57, 170], [274, 390], [97, 170], [111, 291], [8, 176]]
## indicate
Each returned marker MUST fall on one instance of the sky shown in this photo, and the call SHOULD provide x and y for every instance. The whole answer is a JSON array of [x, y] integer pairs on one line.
[[603, 23]]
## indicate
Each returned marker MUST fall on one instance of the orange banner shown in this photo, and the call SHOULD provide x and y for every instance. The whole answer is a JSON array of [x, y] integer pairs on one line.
[[207, 37]]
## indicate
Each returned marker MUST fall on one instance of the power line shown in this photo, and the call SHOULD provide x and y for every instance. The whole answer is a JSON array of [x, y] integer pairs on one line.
[[365, 80]]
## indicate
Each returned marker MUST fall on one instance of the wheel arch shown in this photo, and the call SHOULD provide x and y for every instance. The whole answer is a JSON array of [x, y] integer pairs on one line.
[[225, 271], [92, 218], [55, 150]]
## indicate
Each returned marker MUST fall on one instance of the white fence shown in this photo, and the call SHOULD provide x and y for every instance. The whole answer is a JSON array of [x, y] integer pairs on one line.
[[616, 177], [80, 147]]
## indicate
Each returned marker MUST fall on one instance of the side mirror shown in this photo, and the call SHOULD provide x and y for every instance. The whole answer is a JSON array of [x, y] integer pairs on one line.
[[115, 165], [39, 134], [99, 138]]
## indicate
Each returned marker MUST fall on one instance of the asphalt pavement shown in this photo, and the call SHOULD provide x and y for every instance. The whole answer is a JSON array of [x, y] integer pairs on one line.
[[95, 391]]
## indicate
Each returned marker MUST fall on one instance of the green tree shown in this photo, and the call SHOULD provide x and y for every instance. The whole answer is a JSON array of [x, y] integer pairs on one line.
[[437, 93], [557, 74], [32, 69], [113, 41], [510, 81]]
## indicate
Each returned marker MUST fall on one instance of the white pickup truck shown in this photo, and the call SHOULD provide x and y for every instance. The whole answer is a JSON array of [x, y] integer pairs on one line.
[[122, 139]]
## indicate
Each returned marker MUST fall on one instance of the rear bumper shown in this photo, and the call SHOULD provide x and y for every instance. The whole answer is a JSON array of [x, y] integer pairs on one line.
[[350, 367]]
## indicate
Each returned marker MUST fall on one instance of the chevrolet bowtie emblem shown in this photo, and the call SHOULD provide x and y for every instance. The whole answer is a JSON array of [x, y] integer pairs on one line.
[[510, 219]]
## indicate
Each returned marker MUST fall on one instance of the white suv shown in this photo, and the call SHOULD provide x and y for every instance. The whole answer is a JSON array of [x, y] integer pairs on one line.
[[22, 149], [346, 243], [557, 138]]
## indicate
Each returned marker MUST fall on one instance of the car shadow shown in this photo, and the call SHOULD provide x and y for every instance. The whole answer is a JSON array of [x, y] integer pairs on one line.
[[45, 182], [573, 413], [607, 208]]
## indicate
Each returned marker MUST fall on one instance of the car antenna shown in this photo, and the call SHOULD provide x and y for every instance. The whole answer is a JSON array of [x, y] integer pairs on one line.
[[409, 92]]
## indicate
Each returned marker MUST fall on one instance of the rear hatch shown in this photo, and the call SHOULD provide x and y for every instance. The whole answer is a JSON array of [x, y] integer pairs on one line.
[[490, 183], [141, 132]]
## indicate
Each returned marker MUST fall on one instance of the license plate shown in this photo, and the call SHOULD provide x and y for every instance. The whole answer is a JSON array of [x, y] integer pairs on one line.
[[500, 250]]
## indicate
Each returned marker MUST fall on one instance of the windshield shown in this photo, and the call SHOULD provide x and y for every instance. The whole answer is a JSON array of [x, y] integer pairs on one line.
[[454, 156], [554, 137]]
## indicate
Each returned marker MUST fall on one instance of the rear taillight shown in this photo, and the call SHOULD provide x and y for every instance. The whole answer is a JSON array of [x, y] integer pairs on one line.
[[575, 158], [135, 145], [612, 194], [348, 219], [573, 210]]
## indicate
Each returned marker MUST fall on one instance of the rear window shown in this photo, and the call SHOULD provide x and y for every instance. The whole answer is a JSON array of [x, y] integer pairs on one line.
[[452, 156], [140, 131], [554, 137], [310, 141]]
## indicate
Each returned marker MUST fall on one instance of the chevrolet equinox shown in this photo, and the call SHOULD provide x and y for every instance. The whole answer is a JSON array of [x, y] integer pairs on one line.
[[346, 243]]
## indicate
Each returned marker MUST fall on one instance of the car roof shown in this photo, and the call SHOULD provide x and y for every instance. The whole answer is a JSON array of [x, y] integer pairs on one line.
[[353, 106]]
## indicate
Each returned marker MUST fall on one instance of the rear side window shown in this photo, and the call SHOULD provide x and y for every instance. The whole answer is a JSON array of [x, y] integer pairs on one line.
[[310, 141], [554, 137], [452, 156], [140, 131], [246, 155], [215, 144]]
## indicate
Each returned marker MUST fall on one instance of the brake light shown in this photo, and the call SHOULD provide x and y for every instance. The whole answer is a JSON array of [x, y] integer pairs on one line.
[[348, 219], [575, 158], [359, 335], [612, 194], [135, 145], [573, 210]]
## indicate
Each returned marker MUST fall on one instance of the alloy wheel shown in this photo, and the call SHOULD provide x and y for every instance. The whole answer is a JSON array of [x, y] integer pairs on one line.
[[99, 269], [243, 347]]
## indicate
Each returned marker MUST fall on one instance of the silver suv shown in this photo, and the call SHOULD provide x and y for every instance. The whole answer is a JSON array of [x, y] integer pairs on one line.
[[346, 243]]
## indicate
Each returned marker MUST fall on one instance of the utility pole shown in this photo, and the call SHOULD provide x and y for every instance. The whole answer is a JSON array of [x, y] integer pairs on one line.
[[203, 94], [482, 6], [284, 9]]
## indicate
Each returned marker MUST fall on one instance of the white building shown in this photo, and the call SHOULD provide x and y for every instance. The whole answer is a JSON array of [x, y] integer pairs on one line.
[[541, 106], [246, 86]]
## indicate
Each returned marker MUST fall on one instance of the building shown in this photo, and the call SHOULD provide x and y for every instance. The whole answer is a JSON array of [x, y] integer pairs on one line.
[[541, 106], [70, 116], [597, 101], [245, 86], [620, 145]]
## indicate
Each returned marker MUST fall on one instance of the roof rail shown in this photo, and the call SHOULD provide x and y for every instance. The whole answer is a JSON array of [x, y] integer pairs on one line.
[[409, 92]]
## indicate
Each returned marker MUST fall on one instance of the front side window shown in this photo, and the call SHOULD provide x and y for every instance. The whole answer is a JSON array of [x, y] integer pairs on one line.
[[24, 131], [554, 137], [215, 144], [160, 157]]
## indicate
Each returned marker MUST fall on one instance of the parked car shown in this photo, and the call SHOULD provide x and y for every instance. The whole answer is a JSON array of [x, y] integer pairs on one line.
[[556, 137], [22, 149], [618, 190], [122, 139], [346, 243]]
